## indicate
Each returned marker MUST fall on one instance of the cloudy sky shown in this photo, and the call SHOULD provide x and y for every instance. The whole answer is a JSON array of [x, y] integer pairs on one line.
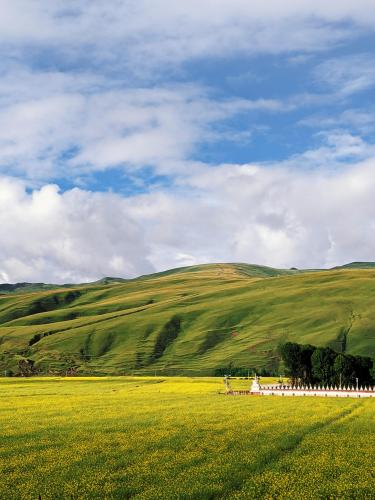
[[141, 135]]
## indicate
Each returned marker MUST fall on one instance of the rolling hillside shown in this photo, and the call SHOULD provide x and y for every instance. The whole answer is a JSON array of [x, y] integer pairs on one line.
[[190, 320]]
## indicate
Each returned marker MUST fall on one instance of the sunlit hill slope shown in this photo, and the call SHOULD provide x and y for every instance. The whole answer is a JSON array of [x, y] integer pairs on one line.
[[190, 320]]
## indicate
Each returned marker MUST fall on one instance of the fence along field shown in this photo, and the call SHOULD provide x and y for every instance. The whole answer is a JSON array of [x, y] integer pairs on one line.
[[151, 438]]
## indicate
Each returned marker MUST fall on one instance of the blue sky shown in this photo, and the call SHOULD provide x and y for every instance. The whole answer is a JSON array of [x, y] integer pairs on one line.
[[141, 135]]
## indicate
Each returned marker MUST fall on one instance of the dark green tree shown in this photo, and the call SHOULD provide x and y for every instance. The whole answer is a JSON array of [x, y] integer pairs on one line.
[[309, 364], [344, 370], [363, 368], [291, 355], [297, 361], [306, 374], [322, 361]]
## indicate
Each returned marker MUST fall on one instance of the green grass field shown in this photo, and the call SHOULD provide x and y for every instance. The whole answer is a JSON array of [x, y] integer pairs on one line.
[[167, 438], [188, 321]]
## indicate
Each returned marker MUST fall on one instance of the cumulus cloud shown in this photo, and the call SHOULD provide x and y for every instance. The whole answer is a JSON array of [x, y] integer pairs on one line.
[[276, 215], [69, 237]]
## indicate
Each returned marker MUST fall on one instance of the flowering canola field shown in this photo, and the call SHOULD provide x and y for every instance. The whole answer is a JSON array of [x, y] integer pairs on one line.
[[164, 438]]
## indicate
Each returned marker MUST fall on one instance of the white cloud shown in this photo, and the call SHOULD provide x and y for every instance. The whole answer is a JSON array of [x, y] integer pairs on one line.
[[276, 216], [60, 117], [357, 119], [273, 215], [73, 121], [338, 148], [55, 124], [347, 75], [145, 33], [75, 236]]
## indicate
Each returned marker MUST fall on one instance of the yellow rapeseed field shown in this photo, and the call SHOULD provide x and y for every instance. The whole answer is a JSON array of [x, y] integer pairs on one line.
[[164, 438]]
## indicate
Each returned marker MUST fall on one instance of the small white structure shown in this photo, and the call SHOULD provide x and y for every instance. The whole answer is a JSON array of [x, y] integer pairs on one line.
[[309, 390]]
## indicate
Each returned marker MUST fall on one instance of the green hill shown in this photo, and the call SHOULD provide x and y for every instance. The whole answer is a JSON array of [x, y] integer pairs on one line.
[[357, 265], [27, 287], [188, 320]]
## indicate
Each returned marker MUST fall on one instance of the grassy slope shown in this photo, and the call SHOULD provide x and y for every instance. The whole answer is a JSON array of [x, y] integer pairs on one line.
[[114, 327], [39, 287], [357, 265]]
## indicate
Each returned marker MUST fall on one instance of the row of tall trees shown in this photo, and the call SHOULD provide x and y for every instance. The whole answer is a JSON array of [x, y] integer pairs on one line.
[[308, 364]]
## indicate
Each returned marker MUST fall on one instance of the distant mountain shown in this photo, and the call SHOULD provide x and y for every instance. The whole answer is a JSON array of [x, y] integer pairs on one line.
[[27, 287], [108, 281], [35, 287], [188, 320], [357, 265], [246, 269], [252, 270]]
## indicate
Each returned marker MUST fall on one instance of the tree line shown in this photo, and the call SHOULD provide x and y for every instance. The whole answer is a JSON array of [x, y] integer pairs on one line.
[[240, 371], [308, 364]]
